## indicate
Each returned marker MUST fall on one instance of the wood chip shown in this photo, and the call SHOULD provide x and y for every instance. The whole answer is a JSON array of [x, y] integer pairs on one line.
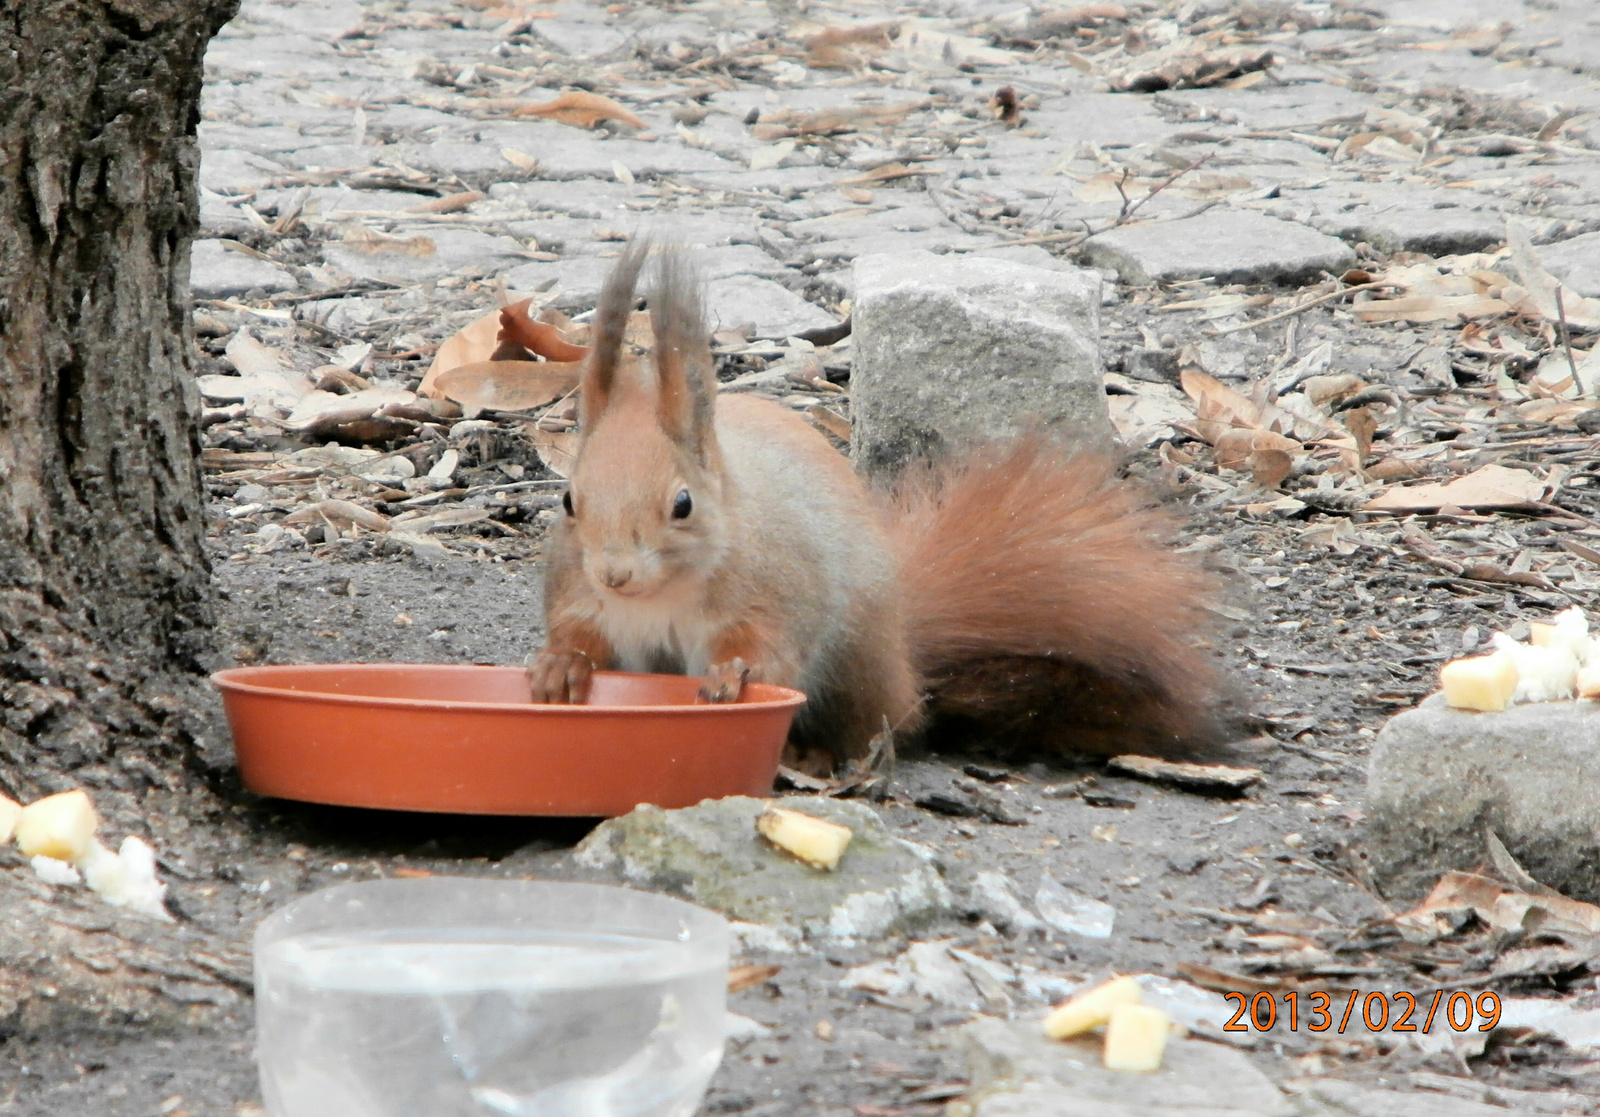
[[1211, 779]]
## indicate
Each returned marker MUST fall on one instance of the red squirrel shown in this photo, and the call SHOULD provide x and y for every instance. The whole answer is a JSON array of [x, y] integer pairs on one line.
[[721, 535]]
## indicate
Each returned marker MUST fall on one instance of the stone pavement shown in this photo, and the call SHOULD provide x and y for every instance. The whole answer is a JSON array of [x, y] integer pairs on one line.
[[332, 128]]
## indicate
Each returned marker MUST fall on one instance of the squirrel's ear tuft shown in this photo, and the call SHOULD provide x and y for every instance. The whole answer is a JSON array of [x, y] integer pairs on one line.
[[687, 380], [610, 328]]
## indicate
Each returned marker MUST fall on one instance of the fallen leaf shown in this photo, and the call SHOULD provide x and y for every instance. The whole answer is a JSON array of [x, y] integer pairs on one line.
[[830, 421], [341, 513], [450, 203], [1541, 286], [558, 452], [507, 385], [322, 407], [519, 159], [539, 338], [831, 48], [421, 523], [1362, 425], [887, 173], [1236, 445], [370, 242], [1490, 487], [741, 978], [581, 109], [1212, 778]]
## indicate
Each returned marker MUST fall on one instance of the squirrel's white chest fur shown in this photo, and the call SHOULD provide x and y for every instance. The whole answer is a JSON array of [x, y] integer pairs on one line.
[[656, 634]]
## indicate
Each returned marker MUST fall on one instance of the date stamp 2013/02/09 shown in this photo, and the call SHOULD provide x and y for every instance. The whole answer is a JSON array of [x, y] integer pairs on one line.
[[1377, 1012]]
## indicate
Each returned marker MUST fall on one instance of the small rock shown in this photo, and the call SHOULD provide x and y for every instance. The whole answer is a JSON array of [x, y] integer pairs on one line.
[[711, 854], [1208, 779], [1016, 1072], [1438, 776], [951, 349], [1576, 263], [991, 893], [217, 271], [770, 310], [1230, 246]]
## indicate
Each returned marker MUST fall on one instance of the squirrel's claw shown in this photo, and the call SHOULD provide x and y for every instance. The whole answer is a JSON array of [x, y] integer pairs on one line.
[[725, 681], [559, 677]]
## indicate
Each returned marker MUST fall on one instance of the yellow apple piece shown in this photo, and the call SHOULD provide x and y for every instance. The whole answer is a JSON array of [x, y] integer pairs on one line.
[[1136, 1038], [1091, 1009], [1484, 682], [1589, 681], [58, 826], [9, 810], [816, 841]]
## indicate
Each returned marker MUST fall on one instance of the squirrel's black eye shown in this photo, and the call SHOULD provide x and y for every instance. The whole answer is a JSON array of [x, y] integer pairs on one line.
[[682, 505], [566, 502]]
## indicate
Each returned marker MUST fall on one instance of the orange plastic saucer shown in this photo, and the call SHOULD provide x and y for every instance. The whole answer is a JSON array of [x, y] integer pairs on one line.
[[466, 739]]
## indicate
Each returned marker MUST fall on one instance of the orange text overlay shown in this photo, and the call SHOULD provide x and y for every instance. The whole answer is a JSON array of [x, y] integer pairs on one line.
[[1376, 1012]]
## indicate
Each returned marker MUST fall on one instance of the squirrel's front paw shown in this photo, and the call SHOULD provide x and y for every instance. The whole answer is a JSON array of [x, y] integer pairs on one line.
[[559, 677], [725, 681]]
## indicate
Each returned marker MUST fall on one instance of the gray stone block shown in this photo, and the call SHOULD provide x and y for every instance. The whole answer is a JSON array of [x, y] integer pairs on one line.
[[768, 308], [1016, 1072], [712, 854], [1438, 232], [1439, 776], [220, 271], [1576, 263], [955, 349], [1228, 245]]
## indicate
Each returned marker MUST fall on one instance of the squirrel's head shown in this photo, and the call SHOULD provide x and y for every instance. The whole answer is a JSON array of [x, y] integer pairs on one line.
[[645, 499]]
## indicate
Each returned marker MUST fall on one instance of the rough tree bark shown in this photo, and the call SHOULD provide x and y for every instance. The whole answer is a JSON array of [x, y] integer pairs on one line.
[[103, 582], [104, 588]]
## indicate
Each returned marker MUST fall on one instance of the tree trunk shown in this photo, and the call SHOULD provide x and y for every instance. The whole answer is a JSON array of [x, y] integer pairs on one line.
[[104, 585]]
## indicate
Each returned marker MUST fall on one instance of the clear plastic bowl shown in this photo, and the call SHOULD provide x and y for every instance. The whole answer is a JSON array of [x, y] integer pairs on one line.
[[443, 996]]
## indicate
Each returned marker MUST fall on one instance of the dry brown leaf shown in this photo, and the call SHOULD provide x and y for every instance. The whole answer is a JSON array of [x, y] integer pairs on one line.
[[845, 48], [1362, 425], [1323, 390], [830, 421], [581, 109], [507, 385], [370, 242], [542, 339], [743, 977], [782, 123], [886, 173], [450, 203], [474, 342], [341, 514], [1218, 408], [1235, 446], [1431, 308], [1491, 487], [558, 452], [1500, 907]]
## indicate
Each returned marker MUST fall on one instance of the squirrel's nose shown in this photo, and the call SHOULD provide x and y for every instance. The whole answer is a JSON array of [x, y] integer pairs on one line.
[[615, 577]]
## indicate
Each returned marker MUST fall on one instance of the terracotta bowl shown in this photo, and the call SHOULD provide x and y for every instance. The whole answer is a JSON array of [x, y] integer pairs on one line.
[[466, 740]]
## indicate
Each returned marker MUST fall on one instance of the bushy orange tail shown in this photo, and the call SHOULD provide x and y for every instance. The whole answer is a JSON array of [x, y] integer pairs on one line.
[[1046, 604]]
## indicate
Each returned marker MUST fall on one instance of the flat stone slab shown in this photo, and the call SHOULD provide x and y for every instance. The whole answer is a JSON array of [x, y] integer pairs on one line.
[[1016, 1072], [1437, 232], [711, 853], [1228, 245], [218, 271], [769, 309], [1575, 262], [1439, 776], [959, 349]]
